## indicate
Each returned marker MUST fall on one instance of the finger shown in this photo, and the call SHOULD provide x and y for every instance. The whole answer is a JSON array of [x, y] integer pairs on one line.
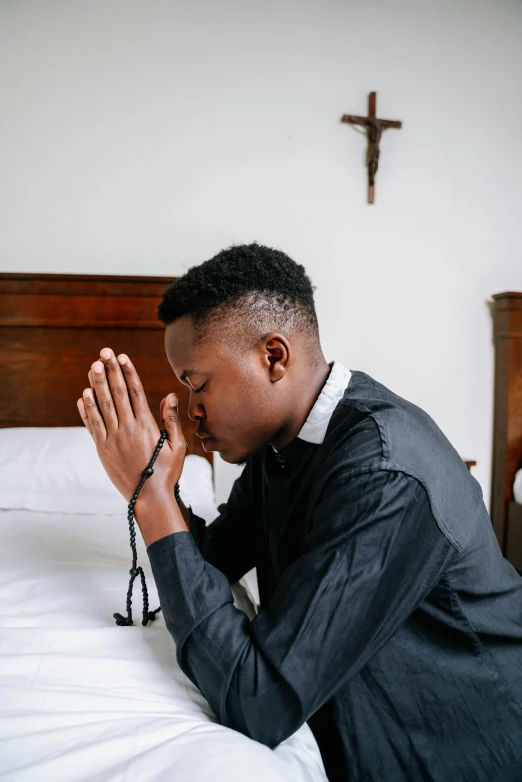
[[104, 396], [96, 421], [80, 404], [171, 421], [91, 383], [135, 390], [117, 387]]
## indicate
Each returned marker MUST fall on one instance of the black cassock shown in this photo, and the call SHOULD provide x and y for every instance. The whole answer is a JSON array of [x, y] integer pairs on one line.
[[389, 619]]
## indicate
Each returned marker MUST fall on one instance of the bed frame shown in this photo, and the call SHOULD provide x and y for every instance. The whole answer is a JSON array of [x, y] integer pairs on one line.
[[53, 326], [506, 515]]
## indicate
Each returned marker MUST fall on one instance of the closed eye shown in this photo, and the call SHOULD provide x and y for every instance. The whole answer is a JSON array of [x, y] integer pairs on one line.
[[197, 390]]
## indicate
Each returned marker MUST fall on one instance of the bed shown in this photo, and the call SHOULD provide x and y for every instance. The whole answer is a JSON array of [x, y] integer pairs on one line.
[[82, 698], [506, 513]]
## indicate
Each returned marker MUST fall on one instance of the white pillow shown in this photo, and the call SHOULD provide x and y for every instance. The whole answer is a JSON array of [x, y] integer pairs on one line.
[[517, 487], [58, 469]]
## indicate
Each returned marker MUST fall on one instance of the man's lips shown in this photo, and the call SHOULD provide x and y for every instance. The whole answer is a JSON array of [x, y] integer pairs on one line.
[[208, 443]]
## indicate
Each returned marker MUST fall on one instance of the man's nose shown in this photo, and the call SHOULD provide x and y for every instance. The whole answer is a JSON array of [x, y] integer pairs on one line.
[[196, 411]]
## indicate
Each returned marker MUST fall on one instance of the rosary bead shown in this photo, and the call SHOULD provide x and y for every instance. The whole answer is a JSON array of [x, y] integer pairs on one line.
[[134, 571], [148, 471]]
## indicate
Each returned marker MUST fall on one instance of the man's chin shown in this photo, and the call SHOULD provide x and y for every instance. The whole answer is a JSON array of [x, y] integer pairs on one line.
[[234, 458], [231, 456], [239, 458]]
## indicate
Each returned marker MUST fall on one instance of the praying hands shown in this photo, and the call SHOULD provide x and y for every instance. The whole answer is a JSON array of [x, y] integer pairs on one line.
[[116, 413]]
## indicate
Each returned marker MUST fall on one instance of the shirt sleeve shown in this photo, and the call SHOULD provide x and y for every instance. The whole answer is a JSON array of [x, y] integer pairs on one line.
[[228, 542], [374, 551]]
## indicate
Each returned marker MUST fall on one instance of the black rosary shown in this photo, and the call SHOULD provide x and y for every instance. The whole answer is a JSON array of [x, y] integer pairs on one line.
[[148, 616]]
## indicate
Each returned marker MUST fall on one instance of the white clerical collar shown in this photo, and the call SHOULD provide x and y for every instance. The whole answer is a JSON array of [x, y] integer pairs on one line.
[[315, 426]]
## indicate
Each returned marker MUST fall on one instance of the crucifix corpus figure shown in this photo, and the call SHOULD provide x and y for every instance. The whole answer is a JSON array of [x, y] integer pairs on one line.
[[374, 127]]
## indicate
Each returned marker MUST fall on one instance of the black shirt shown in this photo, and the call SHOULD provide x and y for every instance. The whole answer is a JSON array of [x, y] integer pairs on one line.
[[389, 619]]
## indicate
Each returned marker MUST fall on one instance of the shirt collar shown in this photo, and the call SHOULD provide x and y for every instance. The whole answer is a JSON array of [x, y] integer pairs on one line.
[[315, 426]]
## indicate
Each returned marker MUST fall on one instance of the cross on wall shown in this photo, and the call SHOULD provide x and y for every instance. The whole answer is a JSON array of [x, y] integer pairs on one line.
[[374, 128]]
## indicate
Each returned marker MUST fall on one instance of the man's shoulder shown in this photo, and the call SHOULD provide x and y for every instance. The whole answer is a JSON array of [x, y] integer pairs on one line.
[[402, 427], [373, 415], [373, 428], [373, 397]]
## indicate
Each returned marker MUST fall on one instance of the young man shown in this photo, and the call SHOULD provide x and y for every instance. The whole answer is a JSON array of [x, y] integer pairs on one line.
[[389, 619]]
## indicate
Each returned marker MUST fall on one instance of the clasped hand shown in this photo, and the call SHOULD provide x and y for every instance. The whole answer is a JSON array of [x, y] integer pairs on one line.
[[123, 428]]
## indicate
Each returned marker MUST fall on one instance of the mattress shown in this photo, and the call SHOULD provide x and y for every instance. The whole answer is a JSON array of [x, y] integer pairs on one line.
[[84, 699]]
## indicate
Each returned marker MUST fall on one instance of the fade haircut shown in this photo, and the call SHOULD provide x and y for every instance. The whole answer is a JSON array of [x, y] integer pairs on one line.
[[249, 289]]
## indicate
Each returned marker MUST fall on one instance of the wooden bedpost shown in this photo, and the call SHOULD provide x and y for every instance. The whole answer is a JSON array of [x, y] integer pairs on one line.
[[507, 442]]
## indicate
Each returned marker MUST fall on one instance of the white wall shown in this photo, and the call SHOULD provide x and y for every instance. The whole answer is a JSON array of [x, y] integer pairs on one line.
[[142, 137]]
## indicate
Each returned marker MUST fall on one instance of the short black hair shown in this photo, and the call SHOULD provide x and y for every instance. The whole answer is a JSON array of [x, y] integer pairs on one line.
[[258, 286]]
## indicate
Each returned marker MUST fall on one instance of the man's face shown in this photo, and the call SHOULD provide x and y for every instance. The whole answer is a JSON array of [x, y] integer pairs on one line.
[[231, 395]]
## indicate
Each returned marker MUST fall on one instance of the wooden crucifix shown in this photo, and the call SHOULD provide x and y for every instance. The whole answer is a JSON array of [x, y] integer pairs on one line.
[[374, 128]]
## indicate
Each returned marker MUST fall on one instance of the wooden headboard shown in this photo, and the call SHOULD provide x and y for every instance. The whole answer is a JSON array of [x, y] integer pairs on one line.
[[506, 515], [53, 326]]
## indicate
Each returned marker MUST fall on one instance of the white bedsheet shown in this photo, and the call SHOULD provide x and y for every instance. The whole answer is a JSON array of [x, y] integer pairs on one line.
[[82, 699]]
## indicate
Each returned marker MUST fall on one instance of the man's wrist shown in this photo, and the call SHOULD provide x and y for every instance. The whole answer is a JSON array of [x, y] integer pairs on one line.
[[184, 512], [158, 516]]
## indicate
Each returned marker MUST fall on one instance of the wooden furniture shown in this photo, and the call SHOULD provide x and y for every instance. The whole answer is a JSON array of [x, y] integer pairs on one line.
[[506, 515], [53, 326]]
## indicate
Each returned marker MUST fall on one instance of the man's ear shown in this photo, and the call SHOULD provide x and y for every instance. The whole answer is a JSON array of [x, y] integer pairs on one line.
[[277, 355]]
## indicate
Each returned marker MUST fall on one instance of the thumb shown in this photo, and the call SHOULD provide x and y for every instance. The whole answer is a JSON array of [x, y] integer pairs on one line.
[[171, 420]]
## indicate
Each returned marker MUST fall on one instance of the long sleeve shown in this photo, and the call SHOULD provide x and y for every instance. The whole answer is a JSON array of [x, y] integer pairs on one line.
[[228, 543], [373, 553]]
